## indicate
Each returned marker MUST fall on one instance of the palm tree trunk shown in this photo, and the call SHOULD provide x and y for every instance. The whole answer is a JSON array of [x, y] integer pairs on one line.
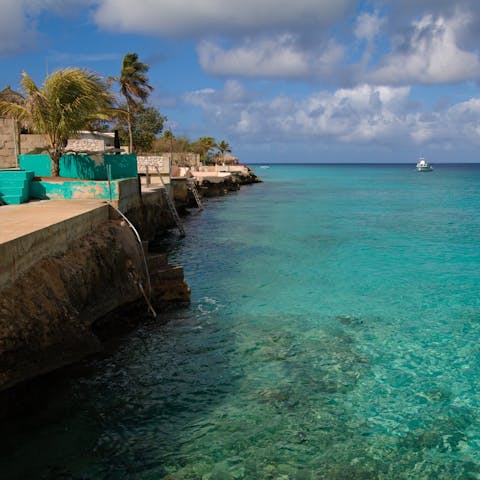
[[55, 165], [129, 124]]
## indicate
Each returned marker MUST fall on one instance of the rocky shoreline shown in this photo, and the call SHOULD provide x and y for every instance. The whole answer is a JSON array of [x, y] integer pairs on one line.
[[66, 306]]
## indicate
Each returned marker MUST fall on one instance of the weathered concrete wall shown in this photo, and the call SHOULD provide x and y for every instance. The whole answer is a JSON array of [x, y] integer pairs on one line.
[[39, 163], [51, 305], [152, 162], [182, 159], [47, 314], [60, 283], [22, 253], [124, 193], [82, 166], [223, 168], [33, 143], [150, 216], [8, 138], [90, 142]]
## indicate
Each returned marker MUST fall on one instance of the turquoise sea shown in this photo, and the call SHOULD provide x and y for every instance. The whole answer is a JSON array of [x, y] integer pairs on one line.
[[334, 333]]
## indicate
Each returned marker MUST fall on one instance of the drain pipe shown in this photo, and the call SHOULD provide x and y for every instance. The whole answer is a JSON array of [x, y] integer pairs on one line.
[[150, 307], [109, 177], [149, 285]]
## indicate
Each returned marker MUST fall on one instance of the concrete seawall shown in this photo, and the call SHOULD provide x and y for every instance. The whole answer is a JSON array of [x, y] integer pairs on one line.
[[37, 230], [65, 266]]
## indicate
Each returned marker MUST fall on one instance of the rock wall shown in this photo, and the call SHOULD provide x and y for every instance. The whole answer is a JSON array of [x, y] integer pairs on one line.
[[46, 315], [61, 308], [51, 313], [8, 137], [33, 142], [217, 186]]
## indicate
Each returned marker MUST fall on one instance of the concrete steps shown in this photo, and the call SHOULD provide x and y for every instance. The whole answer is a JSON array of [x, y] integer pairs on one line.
[[157, 261], [167, 281], [15, 186]]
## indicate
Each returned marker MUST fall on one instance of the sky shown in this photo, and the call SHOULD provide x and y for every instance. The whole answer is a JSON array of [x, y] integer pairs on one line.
[[280, 80]]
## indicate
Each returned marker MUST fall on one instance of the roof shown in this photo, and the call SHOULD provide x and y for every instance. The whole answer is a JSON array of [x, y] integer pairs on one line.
[[226, 156], [9, 95]]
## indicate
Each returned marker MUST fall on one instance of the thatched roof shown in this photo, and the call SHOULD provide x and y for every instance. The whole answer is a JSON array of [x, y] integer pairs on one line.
[[9, 95], [226, 158]]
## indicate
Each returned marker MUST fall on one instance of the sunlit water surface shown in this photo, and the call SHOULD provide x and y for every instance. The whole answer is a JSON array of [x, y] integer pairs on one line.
[[334, 333]]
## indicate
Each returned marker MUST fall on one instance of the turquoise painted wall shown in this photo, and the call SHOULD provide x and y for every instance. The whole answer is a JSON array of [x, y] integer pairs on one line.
[[68, 190], [40, 164], [88, 167], [15, 186], [94, 167]]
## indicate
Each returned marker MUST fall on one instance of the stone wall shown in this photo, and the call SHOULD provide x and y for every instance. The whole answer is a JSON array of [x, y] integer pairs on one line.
[[19, 255], [152, 162], [85, 145], [162, 161], [186, 159], [7, 143], [75, 275], [46, 315], [33, 143]]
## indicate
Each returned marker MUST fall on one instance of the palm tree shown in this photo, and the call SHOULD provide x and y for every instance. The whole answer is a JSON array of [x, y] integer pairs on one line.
[[204, 145], [224, 147], [68, 101], [134, 87]]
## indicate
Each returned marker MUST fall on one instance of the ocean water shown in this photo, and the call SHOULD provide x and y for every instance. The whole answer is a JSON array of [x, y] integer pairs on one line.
[[334, 333]]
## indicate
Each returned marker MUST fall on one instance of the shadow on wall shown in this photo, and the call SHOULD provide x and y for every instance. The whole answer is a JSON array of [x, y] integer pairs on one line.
[[82, 166], [94, 166]]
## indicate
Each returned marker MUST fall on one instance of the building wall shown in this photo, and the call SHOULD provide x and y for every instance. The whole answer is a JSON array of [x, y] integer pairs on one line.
[[7, 143], [187, 159], [33, 143], [152, 162], [87, 167], [86, 145], [181, 159]]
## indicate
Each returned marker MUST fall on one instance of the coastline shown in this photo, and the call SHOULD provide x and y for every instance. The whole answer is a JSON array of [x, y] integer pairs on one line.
[[69, 285]]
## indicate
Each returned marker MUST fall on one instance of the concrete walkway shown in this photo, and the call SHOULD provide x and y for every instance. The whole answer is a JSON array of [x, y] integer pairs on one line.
[[20, 220]]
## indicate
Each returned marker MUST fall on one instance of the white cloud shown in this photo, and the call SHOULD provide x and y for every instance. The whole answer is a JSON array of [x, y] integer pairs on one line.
[[63, 7], [13, 32], [18, 20], [207, 17], [276, 57], [279, 56], [368, 26], [459, 124], [429, 54], [364, 115], [361, 114], [358, 115]]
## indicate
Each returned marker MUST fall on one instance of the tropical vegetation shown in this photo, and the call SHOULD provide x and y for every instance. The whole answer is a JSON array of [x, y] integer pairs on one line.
[[74, 99], [134, 87], [224, 147], [68, 101], [204, 146], [146, 124]]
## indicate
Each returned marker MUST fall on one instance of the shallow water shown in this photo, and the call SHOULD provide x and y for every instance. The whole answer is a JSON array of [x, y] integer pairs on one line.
[[333, 334]]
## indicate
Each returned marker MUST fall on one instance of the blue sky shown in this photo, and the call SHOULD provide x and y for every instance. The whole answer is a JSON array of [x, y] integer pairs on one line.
[[281, 81]]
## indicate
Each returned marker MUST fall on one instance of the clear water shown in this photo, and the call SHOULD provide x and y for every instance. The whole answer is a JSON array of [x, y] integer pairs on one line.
[[334, 333]]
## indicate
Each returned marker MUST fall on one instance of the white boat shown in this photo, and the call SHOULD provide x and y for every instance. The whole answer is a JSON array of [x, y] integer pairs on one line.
[[423, 165]]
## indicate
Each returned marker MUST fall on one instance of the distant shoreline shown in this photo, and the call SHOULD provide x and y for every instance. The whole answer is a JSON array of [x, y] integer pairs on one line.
[[360, 164]]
